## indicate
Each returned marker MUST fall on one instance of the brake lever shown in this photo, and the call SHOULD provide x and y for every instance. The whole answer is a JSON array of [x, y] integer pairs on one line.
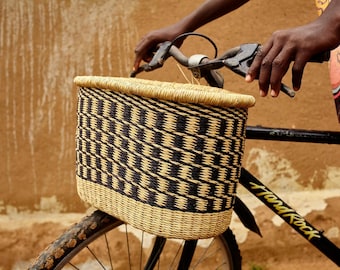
[[160, 56], [239, 60], [157, 60], [139, 70], [242, 60]]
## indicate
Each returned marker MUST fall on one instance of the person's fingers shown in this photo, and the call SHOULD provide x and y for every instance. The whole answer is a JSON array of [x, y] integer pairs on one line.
[[257, 65], [143, 51], [254, 69], [269, 66], [136, 63], [139, 54], [270, 62], [280, 65], [297, 71]]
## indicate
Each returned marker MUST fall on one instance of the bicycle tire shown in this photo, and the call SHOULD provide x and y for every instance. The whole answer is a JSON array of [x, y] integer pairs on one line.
[[81, 238]]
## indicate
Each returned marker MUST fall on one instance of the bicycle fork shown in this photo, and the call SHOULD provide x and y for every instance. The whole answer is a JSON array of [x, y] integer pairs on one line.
[[186, 257]]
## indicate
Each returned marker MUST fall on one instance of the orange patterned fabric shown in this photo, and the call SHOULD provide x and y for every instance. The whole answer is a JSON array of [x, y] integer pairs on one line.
[[334, 64]]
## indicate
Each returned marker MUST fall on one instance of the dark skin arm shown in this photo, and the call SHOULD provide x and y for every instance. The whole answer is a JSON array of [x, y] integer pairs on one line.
[[205, 13], [297, 44]]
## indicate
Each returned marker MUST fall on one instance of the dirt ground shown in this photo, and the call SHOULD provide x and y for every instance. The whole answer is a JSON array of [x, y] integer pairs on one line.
[[280, 247], [24, 232]]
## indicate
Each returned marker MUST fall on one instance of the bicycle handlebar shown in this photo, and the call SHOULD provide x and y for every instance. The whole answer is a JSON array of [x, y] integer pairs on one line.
[[237, 59]]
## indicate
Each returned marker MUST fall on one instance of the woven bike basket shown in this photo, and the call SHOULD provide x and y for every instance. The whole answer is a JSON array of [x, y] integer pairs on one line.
[[163, 157]]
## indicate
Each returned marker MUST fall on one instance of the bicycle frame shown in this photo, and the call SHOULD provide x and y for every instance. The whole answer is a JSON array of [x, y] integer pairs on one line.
[[274, 202]]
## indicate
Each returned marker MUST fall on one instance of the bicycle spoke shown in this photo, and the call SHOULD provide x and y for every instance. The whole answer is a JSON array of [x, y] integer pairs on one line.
[[172, 265], [128, 245], [141, 251], [108, 251], [204, 257], [95, 257], [210, 251], [72, 265]]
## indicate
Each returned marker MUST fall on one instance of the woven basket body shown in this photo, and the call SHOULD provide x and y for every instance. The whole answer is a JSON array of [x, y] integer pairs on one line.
[[164, 166]]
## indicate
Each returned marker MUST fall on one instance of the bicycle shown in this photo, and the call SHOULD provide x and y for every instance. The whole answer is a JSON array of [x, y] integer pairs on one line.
[[82, 241]]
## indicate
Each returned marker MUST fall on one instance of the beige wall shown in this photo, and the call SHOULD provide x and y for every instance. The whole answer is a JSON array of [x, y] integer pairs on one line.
[[44, 44]]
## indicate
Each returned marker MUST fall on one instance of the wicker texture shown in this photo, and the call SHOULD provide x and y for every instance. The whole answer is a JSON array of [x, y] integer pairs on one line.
[[155, 159]]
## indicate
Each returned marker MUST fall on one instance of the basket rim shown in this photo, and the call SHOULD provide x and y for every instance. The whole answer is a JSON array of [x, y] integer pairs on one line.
[[172, 91]]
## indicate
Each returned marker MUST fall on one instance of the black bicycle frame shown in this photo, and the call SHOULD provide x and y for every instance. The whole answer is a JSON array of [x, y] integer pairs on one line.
[[274, 202], [292, 135]]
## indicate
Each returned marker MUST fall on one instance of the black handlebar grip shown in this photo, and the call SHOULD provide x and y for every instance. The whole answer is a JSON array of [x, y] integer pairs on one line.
[[321, 57]]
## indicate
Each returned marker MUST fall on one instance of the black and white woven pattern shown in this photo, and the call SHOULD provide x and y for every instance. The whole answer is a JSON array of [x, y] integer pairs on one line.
[[170, 157], [177, 157]]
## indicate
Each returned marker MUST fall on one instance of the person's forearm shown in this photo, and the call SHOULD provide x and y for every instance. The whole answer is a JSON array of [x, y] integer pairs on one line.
[[331, 18], [207, 12]]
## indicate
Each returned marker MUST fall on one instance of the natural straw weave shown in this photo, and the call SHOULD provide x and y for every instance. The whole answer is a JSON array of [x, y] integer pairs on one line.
[[163, 157]]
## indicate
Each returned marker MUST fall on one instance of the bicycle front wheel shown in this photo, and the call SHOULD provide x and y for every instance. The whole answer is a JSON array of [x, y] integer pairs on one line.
[[100, 241]]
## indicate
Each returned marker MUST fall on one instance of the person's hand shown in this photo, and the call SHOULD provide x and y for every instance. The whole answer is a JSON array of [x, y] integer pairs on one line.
[[208, 11], [148, 44], [298, 45]]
